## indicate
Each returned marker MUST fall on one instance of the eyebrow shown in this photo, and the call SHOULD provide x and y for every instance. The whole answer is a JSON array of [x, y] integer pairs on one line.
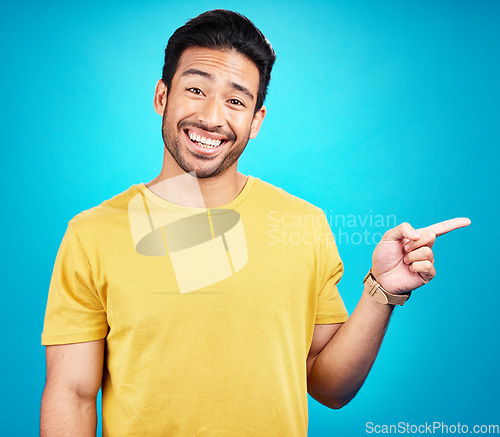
[[237, 86]]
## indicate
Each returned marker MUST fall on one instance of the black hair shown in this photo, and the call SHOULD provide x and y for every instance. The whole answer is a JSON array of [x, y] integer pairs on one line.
[[224, 30]]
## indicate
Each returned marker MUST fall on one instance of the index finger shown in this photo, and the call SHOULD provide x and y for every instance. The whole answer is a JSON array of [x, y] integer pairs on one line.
[[449, 225]]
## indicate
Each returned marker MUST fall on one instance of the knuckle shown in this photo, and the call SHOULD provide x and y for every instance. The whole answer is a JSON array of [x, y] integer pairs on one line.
[[431, 235], [427, 252]]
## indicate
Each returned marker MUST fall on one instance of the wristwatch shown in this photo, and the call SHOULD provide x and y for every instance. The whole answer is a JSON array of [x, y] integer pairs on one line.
[[380, 294]]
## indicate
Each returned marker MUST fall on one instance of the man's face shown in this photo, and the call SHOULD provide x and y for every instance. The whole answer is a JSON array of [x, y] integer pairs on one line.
[[208, 116]]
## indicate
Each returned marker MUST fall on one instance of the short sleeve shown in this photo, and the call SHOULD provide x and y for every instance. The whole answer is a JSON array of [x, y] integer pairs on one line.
[[74, 312], [329, 307]]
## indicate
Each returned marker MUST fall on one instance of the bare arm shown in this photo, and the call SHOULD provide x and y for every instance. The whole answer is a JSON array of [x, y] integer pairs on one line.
[[74, 375], [342, 355]]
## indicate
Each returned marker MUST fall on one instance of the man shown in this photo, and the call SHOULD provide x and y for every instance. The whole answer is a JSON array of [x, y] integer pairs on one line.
[[184, 296]]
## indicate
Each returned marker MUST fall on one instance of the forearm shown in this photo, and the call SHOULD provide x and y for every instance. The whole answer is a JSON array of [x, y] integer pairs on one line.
[[342, 366], [64, 413]]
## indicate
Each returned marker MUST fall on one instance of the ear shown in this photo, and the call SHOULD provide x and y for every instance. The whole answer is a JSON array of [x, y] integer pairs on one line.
[[160, 99], [258, 118]]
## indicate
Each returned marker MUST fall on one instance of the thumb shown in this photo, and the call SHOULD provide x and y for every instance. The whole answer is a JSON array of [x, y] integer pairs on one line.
[[404, 230]]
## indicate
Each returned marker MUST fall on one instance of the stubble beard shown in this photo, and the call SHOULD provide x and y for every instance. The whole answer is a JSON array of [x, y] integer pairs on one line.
[[191, 163]]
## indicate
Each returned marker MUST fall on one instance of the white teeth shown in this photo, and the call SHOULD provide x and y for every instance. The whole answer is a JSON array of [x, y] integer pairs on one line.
[[206, 143]]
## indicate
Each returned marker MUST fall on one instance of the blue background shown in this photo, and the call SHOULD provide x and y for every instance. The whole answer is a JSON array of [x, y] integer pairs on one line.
[[375, 108]]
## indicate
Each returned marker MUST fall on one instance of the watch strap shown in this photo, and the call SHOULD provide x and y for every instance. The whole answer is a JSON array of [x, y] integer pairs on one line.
[[374, 289]]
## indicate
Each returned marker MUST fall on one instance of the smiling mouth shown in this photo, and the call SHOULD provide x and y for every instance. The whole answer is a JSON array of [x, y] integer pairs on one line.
[[204, 142]]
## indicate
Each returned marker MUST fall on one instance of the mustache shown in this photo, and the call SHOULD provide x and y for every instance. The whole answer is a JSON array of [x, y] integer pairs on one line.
[[200, 125]]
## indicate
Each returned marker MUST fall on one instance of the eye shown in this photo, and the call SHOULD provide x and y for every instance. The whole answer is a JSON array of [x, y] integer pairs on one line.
[[196, 91], [236, 102]]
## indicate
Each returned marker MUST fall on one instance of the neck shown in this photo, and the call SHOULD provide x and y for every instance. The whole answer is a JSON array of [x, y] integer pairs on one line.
[[181, 188]]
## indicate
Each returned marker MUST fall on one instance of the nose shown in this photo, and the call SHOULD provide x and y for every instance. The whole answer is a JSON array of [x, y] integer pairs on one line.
[[212, 113]]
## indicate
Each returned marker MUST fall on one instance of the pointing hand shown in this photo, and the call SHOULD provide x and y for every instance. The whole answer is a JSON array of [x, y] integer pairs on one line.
[[403, 260]]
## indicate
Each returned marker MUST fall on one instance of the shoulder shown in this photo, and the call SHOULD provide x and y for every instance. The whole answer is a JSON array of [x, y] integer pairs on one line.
[[279, 199], [105, 216]]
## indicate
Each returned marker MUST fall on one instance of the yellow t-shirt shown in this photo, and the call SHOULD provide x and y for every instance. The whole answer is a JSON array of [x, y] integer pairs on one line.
[[208, 315]]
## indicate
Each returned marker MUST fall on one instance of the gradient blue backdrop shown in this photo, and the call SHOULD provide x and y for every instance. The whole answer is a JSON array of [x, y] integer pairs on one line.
[[375, 107]]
